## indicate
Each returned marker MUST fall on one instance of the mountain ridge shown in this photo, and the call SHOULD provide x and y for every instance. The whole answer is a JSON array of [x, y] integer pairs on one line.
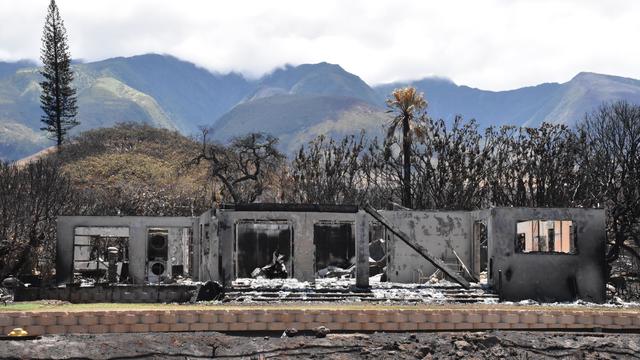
[[293, 102]]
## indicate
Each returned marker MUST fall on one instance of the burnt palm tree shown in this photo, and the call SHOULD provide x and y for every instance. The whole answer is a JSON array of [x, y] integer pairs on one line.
[[408, 106]]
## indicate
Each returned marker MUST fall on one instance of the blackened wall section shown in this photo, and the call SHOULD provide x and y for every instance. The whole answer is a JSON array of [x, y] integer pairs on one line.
[[548, 276]]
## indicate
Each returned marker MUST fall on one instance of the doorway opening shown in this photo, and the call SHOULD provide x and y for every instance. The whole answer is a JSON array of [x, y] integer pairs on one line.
[[481, 247], [335, 246], [264, 244]]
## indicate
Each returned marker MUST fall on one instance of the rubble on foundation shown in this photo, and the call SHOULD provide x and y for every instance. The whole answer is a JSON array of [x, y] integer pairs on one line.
[[345, 290]]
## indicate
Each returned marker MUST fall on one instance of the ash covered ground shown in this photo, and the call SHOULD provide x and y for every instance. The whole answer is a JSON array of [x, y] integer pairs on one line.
[[461, 345], [284, 289], [332, 290]]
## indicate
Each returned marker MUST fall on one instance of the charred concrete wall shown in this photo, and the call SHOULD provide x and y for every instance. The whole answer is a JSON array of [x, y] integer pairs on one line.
[[206, 249], [223, 264], [439, 232], [137, 245], [548, 276]]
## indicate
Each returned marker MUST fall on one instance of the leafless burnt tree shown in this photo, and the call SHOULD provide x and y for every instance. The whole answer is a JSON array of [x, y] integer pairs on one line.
[[244, 166], [30, 200], [534, 166], [330, 171], [612, 166], [450, 166]]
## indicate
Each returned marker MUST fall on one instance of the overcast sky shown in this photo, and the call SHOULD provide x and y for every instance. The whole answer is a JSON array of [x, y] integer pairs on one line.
[[494, 44]]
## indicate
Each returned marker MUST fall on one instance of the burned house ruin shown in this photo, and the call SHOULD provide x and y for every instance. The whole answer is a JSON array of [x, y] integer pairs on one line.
[[147, 249], [547, 254]]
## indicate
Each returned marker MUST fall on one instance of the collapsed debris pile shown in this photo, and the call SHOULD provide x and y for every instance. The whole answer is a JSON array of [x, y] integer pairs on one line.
[[209, 291], [331, 290], [8, 288], [275, 270], [344, 290], [378, 258], [337, 272], [347, 269]]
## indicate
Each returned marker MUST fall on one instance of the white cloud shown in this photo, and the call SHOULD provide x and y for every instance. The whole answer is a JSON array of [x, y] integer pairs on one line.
[[492, 44]]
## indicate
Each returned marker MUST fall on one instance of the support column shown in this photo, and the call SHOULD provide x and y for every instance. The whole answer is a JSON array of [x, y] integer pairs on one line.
[[138, 250], [64, 250], [362, 250]]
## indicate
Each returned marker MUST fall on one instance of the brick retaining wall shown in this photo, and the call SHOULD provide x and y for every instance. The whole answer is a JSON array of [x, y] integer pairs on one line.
[[45, 322]]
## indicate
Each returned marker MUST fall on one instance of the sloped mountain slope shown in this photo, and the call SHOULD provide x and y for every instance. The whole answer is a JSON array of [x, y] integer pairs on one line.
[[314, 79], [188, 95], [297, 103], [588, 90], [296, 119], [9, 68], [564, 103], [158, 90], [294, 103]]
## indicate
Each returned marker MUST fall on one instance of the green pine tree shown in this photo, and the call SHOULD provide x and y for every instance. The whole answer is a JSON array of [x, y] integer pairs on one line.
[[58, 98]]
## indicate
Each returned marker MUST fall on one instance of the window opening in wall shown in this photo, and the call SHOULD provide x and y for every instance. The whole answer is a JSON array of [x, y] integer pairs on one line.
[[546, 236], [377, 251], [481, 243], [101, 254], [335, 248], [263, 249]]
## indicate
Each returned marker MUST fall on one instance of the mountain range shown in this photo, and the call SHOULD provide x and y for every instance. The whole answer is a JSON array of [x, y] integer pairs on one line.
[[294, 103]]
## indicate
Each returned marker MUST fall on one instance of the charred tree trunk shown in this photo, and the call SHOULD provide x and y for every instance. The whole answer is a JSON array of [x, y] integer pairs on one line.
[[406, 155]]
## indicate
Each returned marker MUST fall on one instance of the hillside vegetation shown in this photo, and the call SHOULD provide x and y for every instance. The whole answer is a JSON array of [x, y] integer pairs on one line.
[[136, 169]]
